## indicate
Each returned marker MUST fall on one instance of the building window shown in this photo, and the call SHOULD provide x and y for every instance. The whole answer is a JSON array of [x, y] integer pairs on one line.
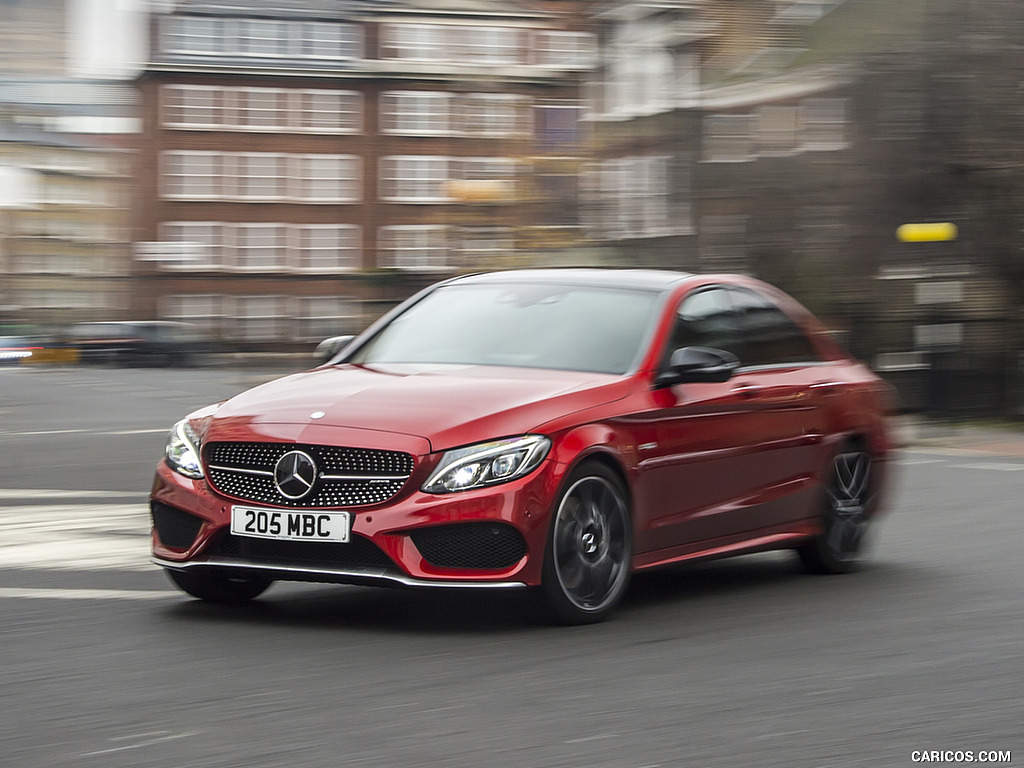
[[192, 106], [556, 125], [485, 45], [632, 197], [192, 175], [203, 245], [193, 34], [413, 247], [260, 38], [261, 108], [260, 176], [728, 138], [484, 246], [778, 130], [203, 310], [327, 247], [494, 114], [422, 42], [198, 107], [319, 317], [260, 247], [453, 43], [414, 178], [323, 111], [260, 318], [327, 178], [566, 50], [824, 124], [415, 112]]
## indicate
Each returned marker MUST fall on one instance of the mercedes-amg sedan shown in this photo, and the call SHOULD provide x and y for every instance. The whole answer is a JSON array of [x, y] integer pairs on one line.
[[548, 430]]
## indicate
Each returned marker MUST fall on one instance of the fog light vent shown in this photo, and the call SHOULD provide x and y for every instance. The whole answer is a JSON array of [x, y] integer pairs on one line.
[[175, 528], [479, 546]]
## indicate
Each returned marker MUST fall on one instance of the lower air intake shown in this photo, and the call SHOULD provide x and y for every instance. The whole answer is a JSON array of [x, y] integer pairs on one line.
[[175, 528], [478, 546]]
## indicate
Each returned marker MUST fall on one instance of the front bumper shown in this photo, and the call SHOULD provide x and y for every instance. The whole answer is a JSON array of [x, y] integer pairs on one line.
[[490, 537]]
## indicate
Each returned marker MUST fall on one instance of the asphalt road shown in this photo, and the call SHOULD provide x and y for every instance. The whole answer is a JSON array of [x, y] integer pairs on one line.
[[746, 662]]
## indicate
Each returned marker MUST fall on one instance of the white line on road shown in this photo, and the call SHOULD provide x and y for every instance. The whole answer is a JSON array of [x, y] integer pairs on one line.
[[32, 593], [159, 739], [39, 493], [108, 432], [992, 467], [75, 537]]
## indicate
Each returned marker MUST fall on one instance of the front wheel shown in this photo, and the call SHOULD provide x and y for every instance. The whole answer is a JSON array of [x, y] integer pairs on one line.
[[589, 548], [845, 520], [217, 588]]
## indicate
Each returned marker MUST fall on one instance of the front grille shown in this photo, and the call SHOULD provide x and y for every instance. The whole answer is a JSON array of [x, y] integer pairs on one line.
[[359, 552], [347, 477], [481, 546], [174, 527]]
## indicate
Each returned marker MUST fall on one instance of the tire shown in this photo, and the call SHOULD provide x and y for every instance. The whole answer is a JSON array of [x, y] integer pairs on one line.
[[216, 588], [845, 519], [589, 548]]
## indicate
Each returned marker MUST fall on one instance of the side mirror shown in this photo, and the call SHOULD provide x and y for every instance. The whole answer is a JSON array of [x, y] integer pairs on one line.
[[698, 364], [328, 348]]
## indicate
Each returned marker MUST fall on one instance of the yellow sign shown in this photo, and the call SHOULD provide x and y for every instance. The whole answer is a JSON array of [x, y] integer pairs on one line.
[[927, 233]]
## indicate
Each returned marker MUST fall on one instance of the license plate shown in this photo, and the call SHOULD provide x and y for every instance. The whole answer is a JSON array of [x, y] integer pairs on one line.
[[290, 526]]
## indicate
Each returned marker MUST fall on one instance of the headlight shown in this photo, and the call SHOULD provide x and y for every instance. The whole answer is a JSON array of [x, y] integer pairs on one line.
[[487, 464], [183, 450]]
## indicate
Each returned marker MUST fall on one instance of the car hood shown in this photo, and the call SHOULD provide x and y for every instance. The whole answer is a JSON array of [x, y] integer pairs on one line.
[[446, 405]]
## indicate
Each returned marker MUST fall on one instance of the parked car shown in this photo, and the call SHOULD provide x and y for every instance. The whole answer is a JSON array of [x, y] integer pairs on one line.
[[14, 349], [548, 430], [148, 342]]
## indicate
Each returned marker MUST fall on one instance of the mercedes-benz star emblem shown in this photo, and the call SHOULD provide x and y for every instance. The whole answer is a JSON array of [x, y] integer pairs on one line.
[[295, 474]]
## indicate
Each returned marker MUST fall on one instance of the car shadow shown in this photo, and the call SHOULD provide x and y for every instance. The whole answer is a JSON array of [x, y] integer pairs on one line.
[[726, 587]]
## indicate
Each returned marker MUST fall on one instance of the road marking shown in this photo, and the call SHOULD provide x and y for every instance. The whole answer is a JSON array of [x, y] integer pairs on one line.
[[78, 537], [33, 593], [38, 493], [915, 462], [106, 433], [157, 737], [992, 467]]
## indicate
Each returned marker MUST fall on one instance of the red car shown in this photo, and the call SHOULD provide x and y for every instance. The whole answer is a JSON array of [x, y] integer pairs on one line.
[[553, 430]]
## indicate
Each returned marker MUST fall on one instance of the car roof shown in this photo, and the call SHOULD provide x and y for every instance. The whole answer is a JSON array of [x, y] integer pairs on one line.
[[637, 279]]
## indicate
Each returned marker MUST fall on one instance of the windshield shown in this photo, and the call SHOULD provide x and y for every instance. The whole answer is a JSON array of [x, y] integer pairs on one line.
[[577, 328]]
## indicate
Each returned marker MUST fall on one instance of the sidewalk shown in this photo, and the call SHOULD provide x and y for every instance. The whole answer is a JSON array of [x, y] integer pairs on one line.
[[920, 433]]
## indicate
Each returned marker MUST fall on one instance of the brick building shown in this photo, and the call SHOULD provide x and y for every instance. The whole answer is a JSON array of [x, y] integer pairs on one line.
[[302, 167]]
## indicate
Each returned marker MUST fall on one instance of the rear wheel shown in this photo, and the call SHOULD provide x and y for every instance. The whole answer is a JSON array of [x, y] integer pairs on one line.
[[845, 520], [589, 549], [217, 588]]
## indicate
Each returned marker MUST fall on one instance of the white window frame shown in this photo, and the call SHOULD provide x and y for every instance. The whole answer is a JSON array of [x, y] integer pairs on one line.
[[823, 124], [560, 49], [429, 239], [260, 237], [214, 247], [217, 107], [397, 41], [350, 111], [741, 134], [409, 178], [251, 170], [318, 317], [487, 114], [417, 113], [216, 176], [348, 248], [304, 174]]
